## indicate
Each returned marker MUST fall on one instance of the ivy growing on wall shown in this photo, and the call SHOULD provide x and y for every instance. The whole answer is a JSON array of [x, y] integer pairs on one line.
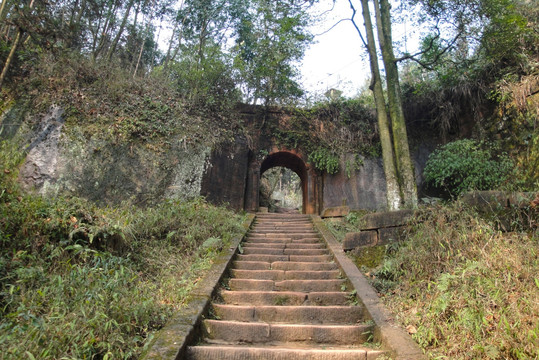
[[328, 131]]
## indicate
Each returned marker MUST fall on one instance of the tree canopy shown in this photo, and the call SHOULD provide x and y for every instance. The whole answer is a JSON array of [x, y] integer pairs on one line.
[[216, 46]]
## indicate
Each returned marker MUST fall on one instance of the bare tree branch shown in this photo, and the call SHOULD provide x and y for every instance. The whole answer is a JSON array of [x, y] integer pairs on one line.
[[354, 23], [332, 27], [429, 65]]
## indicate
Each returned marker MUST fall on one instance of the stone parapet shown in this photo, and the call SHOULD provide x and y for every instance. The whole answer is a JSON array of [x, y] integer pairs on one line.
[[379, 229]]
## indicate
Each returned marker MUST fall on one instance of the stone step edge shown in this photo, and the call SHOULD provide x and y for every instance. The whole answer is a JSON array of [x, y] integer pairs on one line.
[[171, 342], [261, 332], [220, 351], [291, 314], [282, 298]]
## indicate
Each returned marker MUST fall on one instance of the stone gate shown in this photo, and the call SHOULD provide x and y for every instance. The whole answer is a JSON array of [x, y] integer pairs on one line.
[[234, 172]]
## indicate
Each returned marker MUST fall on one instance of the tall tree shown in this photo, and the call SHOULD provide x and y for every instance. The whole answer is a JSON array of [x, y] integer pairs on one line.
[[13, 50], [390, 171], [398, 123], [271, 38], [401, 186]]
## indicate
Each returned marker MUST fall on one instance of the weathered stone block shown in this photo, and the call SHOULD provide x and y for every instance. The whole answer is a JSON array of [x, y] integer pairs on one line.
[[363, 238], [338, 211], [522, 199], [392, 234], [486, 200], [386, 219]]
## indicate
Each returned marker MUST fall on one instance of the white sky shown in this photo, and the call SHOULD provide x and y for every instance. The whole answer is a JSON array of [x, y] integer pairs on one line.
[[338, 58]]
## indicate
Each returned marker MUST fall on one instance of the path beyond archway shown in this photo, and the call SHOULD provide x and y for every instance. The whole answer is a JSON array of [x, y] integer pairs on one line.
[[292, 160]]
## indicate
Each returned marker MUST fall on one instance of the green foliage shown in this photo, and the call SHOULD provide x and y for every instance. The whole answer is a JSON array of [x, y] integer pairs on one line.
[[464, 165], [468, 289], [330, 130], [78, 281], [350, 223], [206, 85], [325, 160], [270, 39], [497, 44]]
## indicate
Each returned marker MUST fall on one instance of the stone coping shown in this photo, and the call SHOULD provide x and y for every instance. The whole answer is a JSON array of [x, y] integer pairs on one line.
[[392, 336], [171, 342]]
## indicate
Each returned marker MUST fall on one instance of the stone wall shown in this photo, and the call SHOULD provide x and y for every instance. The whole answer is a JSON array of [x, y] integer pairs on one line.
[[365, 188], [379, 229], [224, 179], [68, 163]]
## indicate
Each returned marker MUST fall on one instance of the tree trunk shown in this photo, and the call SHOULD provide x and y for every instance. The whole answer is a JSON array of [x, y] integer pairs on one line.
[[112, 48], [109, 24], [393, 192], [170, 44], [13, 50], [3, 10], [4, 29], [405, 167], [10, 57]]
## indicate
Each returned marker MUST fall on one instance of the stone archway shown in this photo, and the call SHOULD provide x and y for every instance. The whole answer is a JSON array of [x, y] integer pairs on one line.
[[289, 159]]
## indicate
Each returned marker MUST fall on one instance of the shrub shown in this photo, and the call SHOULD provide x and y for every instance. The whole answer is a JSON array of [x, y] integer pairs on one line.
[[82, 282], [466, 164], [469, 290]]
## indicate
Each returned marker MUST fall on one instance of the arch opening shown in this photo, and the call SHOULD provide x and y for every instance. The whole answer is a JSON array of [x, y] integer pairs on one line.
[[295, 170], [280, 191]]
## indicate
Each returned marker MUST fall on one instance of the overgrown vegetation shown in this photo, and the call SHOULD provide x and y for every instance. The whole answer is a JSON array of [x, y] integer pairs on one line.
[[464, 289], [341, 226], [464, 165], [330, 130], [79, 281], [480, 79], [102, 101]]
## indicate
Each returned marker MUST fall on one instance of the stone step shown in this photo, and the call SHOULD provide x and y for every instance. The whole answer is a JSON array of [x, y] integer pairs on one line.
[[277, 222], [283, 228], [282, 232], [285, 223], [251, 265], [271, 240], [285, 285], [283, 265], [338, 298], [273, 258], [284, 275], [230, 352], [260, 333], [285, 245], [343, 315], [253, 249], [303, 266], [281, 216]]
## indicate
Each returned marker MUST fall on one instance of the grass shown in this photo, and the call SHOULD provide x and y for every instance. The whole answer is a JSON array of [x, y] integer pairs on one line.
[[470, 290], [82, 282], [339, 227]]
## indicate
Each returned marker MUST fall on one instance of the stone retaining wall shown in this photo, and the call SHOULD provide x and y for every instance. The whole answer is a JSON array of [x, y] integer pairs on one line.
[[379, 229]]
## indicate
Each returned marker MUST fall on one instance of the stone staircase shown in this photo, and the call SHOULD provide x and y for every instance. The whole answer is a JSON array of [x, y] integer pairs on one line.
[[285, 299]]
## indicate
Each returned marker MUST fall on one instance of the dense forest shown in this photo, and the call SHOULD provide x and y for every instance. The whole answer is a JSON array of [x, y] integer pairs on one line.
[[473, 75], [85, 278]]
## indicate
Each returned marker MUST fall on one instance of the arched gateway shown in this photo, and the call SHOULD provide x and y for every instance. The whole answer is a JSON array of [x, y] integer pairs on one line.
[[292, 160], [232, 171]]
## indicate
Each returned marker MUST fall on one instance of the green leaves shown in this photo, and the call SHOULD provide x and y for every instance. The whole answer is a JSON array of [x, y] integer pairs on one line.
[[270, 39], [465, 165], [325, 160]]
